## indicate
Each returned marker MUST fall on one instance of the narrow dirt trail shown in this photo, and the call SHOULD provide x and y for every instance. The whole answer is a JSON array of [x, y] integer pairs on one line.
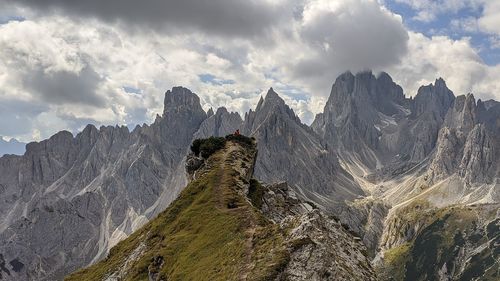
[[228, 184]]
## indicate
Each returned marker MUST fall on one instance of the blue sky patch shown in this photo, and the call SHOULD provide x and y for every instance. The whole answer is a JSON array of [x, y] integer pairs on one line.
[[454, 24], [132, 90], [211, 79], [7, 19]]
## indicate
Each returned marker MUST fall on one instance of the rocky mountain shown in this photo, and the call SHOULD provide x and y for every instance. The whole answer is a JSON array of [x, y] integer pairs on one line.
[[226, 226], [11, 147], [399, 172], [69, 199], [290, 151]]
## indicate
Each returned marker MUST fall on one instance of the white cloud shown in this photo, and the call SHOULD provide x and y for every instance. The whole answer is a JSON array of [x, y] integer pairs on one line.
[[467, 24], [454, 60], [490, 20], [300, 58]]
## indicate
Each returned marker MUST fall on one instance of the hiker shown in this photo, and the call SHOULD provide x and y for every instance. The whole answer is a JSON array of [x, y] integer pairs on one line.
[[237, 133]]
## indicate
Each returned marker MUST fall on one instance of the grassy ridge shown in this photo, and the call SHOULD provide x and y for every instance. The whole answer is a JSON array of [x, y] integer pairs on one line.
[[210, 232]]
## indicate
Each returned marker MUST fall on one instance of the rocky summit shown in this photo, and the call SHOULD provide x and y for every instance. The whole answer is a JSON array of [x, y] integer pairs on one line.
[[383, 185]]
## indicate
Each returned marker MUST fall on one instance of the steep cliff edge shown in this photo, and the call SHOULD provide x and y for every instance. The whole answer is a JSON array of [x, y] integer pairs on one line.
[[227, 226]]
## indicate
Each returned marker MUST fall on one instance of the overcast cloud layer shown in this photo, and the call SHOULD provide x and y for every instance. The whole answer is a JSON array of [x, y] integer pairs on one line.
[[64, 64]]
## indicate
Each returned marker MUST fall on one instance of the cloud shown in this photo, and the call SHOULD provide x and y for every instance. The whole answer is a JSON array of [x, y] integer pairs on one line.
[[241, 18], [454, 60], [345, 35], [75, 71], [65, 87], [465, 24], [490, 19]]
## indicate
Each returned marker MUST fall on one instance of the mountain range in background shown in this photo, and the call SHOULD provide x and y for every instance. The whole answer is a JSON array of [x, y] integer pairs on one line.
[[416, 179], [12, 146]]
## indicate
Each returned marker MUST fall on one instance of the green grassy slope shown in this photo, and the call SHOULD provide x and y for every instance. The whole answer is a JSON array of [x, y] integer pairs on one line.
[[209, 233]]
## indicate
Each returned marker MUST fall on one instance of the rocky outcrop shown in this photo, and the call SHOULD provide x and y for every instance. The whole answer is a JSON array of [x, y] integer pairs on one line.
[[479, 160], [467, 143], [321, 249], [366, 218], [452, 243]]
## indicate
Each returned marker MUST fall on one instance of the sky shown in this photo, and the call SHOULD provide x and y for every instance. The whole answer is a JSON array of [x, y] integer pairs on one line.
[[67, 63]]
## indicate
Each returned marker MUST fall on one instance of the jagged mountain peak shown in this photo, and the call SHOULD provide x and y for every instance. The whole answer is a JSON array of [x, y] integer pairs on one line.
[[440, 82], [210, 112], [464, 113], [181, 99], [271, 104], [221, 110], [221, 123], [271, 99], [435, 98]]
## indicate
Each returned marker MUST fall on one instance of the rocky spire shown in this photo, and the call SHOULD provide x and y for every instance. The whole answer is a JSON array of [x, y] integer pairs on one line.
[[182, 116], [220, 124], [434, 98], [210, 112], [465, 144]]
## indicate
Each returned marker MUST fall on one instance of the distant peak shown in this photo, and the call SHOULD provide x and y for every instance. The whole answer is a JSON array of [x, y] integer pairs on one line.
[[271, 102], [180, 97], [272, 97], [440, 82], [384, 76], [221, 110], [210, 112], [271, 93], [345, 76]]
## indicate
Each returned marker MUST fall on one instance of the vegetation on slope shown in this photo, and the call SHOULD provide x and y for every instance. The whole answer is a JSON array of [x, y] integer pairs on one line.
[[211, 232], [446, 239], [208, 146]]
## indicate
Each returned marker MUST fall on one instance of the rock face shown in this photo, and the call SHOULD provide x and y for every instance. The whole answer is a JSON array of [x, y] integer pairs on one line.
[[374, 125], [366, 218], [279, 237], [468, 143], [290, 151], [219, 124], [324, 249], [73, 198]]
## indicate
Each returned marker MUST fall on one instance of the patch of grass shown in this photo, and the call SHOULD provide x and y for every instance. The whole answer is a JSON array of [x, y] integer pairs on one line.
[[396, 259]]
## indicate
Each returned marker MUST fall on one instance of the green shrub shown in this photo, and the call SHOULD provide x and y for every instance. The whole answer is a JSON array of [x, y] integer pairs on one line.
[[207, 147], [244, 140], [195, 146]]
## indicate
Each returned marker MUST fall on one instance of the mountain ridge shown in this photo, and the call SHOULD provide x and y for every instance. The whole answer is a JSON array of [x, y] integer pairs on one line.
[[266, 240], [364, 159]]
